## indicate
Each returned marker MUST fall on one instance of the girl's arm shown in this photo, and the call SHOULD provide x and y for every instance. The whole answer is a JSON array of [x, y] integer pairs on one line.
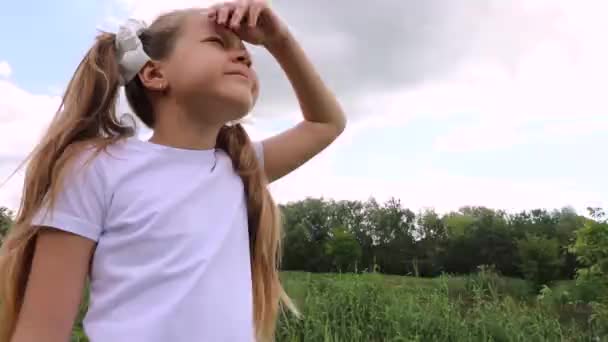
[[324, 119], [255, 22], [54, 290]]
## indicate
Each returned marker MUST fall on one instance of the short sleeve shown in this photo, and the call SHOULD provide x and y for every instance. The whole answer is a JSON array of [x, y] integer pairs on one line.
[[80, 204], [259, 152]]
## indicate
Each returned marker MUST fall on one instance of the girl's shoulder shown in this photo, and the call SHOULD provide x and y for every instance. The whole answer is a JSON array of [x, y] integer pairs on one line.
[[93, 159]]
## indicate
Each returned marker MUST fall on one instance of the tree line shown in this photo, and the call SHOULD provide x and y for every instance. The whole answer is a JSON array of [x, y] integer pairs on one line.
[[361, 236], [357, 236]]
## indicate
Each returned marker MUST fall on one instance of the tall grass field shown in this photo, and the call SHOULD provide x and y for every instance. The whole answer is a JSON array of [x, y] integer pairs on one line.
[[375, 307]]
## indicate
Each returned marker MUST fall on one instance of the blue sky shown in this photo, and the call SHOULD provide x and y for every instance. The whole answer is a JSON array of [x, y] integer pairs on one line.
[[44, 41], [518, 120]]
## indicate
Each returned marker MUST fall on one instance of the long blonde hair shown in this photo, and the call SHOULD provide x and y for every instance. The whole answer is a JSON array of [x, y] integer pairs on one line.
[[87, 116]]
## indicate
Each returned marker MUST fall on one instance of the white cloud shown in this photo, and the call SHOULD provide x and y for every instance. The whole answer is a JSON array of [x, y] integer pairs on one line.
[[24, 118], [5, 69], [150, 9], [555, 91]]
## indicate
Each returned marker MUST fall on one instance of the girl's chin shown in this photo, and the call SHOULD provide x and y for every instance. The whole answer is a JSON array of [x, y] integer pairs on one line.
[[242, 98], [240, 104]]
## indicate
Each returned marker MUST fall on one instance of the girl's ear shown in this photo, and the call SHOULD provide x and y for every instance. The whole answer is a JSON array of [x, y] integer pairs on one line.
[[152, 76]]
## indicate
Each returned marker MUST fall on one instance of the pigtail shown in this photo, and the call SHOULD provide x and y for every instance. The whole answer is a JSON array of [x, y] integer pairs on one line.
[[86, 116], [264, 231]]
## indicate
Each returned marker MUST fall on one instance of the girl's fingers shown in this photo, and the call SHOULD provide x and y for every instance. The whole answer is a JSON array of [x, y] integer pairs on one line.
[[223, 13], [254, 13], [214, 12], [238, 14]]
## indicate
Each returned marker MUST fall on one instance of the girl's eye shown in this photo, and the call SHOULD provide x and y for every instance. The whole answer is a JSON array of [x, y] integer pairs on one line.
[[216, 40]]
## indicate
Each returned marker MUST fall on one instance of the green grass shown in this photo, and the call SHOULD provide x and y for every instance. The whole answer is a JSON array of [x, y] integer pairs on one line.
[[374, 307]]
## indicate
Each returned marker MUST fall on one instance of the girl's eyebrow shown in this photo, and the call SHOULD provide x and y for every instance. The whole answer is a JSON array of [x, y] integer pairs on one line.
[[224, 32], [227, 35], [213, 29]]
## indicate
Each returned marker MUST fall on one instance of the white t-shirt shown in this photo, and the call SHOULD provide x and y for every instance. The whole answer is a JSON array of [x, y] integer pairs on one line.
[[172, 258]]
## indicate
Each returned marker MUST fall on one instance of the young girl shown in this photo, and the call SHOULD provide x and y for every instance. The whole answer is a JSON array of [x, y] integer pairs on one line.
[[179, 234]]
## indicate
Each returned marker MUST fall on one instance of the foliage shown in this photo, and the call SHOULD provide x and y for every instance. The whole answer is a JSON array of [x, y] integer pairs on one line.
[[6, 220]]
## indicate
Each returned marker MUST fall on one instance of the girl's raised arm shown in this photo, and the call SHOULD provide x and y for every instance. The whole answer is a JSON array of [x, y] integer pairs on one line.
[[324, 120]]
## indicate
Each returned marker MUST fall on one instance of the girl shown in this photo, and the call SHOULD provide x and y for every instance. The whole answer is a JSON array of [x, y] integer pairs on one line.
[[179, 234]]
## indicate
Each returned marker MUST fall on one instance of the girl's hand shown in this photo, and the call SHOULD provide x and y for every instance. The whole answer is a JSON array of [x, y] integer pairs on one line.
[[252, 20]]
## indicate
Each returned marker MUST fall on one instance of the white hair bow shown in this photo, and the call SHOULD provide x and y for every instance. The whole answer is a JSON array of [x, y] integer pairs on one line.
[[131, 54]]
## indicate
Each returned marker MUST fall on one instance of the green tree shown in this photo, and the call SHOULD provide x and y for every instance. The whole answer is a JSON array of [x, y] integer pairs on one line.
[[430, 226], [495, 240], [568, 222], [317, 217], [296, 248], [431, 241], [479, 236], [343, 250], [352, 216], [392, 228], [591, 248], [457, 224], [539, 257]]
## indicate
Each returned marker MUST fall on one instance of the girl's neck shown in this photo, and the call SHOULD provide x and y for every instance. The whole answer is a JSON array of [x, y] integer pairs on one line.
[[179, 129]]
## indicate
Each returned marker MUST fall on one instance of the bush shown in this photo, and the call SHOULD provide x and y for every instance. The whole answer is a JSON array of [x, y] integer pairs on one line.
[[488, 281]]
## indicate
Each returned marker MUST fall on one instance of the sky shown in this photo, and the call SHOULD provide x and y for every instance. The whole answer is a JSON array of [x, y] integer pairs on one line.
[[450, 102]]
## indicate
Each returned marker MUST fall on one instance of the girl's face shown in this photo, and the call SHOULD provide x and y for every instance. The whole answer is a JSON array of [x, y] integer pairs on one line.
[[210, 68]]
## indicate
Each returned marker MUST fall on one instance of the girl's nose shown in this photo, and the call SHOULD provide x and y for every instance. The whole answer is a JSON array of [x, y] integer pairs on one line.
[[242, 56]]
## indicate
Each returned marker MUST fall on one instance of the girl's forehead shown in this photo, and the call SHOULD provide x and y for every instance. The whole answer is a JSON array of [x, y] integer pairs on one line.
[[200, 23]]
